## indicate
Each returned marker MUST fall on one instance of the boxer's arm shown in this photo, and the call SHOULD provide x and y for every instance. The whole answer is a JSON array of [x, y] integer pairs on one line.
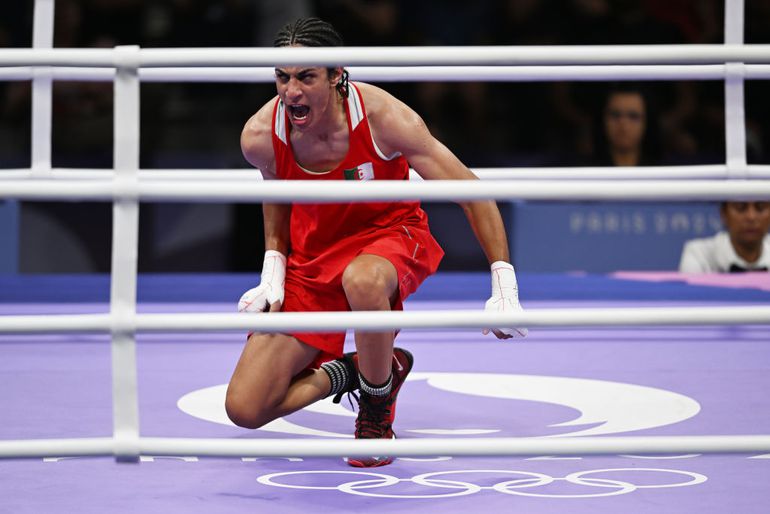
[[257, 148], [397, 128]]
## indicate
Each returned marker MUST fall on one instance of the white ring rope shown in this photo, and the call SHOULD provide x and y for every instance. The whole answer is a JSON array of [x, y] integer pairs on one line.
[[388, 320], [126, 185], [422, 447], [434, 190], [614, 173], [394, 56], [408, 74]]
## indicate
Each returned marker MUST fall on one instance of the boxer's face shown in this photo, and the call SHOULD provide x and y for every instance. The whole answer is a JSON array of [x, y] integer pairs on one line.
[[307, 92]]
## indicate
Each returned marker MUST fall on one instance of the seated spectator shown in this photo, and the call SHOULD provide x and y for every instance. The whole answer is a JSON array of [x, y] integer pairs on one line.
[[628, 134], [745, 246]]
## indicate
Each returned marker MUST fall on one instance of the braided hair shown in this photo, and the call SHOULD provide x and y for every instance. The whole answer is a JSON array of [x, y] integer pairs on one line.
[[313, 32]]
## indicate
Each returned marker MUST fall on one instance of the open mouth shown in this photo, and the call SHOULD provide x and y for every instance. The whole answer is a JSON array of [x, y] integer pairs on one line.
[[299, 112]]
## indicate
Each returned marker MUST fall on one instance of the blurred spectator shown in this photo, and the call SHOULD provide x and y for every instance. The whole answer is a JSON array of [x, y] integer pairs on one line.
[[744, 246], [628, 135], [688, 121], [603, 22]]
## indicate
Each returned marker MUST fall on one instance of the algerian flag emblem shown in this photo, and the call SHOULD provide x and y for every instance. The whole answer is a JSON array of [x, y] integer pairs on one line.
[[363, 171]]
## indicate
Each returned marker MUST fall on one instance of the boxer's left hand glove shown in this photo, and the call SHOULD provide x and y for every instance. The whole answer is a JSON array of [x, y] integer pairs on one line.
[[268, 295], [505, 298]]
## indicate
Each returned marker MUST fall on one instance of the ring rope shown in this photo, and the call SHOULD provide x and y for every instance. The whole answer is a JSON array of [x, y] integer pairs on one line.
[[129, 321], [393, 56], [422, 447], [410, 74], [611, 173], [434, 190]]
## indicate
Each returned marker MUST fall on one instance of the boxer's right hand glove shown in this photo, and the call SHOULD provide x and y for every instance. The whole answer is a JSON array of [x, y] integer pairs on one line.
[[505, 298], [269, 292]]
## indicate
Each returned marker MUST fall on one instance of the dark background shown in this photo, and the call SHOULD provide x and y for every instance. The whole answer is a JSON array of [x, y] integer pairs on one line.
[[186, 125]]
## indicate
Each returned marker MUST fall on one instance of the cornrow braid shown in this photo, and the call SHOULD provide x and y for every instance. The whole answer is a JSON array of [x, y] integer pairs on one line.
[[313, 32], [308, 32]]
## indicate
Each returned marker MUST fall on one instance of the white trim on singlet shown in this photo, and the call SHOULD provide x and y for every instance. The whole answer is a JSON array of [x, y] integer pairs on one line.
[[379, 152], [356, 108], [314, 172], [280, 123]]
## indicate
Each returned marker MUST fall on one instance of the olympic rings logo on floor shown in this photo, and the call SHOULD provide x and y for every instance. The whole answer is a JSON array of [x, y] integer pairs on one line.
[[523, 483]]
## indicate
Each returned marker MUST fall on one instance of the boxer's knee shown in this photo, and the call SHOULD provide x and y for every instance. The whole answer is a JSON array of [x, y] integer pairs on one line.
[[370, 282]]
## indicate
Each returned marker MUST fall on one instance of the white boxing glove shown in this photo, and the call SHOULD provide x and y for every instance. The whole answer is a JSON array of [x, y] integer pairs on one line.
[[505, 298], [270, 288]]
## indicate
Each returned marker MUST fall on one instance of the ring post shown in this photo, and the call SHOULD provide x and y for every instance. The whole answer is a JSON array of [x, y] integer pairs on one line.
[[735, 114], [42, 87], [125, 242]]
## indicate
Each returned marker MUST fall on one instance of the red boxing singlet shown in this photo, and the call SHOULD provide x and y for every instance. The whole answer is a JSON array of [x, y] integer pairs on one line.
[[325, 238]]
